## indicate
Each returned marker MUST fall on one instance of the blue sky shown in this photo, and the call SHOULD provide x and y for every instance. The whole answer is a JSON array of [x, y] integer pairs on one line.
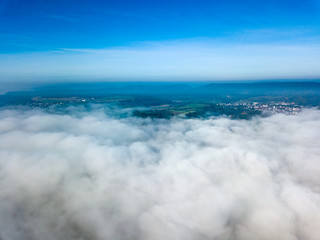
[[55, 40]]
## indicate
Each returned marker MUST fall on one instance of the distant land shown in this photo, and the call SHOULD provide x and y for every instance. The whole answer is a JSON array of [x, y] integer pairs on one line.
[[184, 99]]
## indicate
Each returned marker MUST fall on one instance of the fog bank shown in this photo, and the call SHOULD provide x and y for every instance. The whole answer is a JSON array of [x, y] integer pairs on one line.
[[90, 175]]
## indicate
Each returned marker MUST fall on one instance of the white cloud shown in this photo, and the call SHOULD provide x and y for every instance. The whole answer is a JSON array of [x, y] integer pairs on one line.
[[90, 175]]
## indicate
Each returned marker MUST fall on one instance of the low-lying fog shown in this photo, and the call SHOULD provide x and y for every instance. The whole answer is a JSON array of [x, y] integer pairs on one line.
[[90, 175]]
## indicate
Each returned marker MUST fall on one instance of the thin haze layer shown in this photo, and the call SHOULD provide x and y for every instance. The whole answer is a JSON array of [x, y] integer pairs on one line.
[[90, 175]]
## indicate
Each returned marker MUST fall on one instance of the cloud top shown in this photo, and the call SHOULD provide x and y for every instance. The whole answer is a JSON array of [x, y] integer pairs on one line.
[[91, 175]]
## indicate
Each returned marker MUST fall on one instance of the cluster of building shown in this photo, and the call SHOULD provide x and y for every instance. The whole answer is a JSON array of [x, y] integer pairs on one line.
[[274, 107]]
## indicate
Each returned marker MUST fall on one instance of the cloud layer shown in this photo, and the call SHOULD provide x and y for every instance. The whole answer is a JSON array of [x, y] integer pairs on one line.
[[89, 175]]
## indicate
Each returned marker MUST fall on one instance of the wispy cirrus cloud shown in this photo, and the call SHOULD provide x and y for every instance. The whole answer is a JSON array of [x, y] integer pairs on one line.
[[177, 60], [61, 17]]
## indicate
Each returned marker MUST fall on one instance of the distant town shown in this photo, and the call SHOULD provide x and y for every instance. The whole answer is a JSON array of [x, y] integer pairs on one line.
[[273, 107]]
